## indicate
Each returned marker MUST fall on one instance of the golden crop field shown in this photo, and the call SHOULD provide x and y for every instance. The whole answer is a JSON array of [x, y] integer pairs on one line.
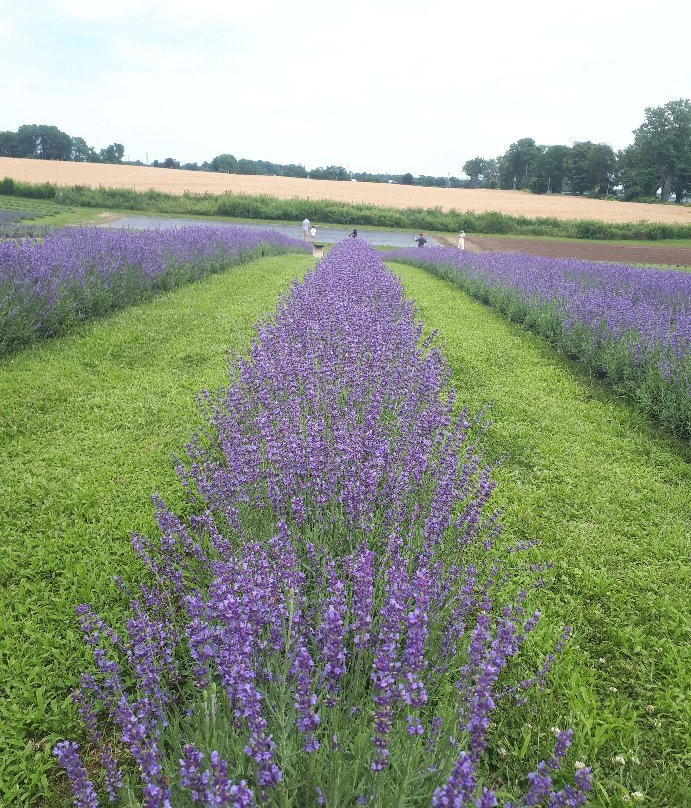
[[142, 178]]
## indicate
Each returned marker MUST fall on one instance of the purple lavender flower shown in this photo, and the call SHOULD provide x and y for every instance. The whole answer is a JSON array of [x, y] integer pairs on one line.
[[305, 699], [37, 274], [112, 773], [82, 788], [212, 787], [460, 786], [340, 531]]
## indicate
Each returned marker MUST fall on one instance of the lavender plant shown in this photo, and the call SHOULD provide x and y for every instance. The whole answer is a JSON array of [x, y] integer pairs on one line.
[[73, 274], [335, 622], [628, 325]]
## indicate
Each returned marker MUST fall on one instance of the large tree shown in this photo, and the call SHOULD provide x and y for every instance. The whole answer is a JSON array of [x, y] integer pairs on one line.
[[8, 144], [550, 168], [43, 142], [113, 153], [475, 168], [663, 142], [81, 152], [590, 167], [518, 164], [225, 164], [637, 179]]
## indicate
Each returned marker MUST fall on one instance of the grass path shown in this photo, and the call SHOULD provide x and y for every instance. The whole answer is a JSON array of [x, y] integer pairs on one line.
[[608, 498], [88, 424]]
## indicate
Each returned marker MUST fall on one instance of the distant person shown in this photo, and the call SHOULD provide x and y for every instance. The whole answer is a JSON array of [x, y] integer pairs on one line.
[[353, 233], [461, 241], [313, 232], [305, 228], [421, 240]]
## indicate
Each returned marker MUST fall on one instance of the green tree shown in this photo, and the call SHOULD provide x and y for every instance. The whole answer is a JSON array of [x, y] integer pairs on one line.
[[43, 142], [81, 152], [602, 164], [550, 169], [637, 179], [663, 142], [408, 179], [113, 153], [475, 168], [8, 144], [246, 166], [225, 164], [491, 174], [330, 173], [681, 186], [517, 168]]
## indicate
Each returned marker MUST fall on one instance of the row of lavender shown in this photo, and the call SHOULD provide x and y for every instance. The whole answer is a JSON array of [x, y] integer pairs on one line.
[[631, 326], [71, 275], [336, 623]]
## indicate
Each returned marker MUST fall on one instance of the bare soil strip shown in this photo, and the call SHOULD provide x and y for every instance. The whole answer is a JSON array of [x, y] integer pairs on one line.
[[172, 181], [586, 251]]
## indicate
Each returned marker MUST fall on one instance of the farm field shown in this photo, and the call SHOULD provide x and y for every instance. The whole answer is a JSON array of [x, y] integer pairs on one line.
[[142, 178], [88, 424], [607, 496], [645, 253], [101, 412], [627, 325]]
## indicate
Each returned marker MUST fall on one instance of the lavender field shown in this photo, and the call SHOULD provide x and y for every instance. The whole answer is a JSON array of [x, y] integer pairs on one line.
[[629, 326], [50, 284], [337, 622], [328, 609]]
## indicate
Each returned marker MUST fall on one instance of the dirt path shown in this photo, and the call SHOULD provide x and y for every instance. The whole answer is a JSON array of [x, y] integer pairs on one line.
[[585, 250]]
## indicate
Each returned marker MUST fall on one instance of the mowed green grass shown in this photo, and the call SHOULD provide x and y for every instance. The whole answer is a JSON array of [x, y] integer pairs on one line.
[[88, 424], [609, 498]]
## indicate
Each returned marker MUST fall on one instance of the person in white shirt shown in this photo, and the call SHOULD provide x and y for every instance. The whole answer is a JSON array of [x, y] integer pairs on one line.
[[461, 241], [313, 232], [305, 228]]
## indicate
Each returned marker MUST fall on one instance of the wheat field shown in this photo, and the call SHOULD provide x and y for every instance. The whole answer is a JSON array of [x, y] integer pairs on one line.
[[142, 178]]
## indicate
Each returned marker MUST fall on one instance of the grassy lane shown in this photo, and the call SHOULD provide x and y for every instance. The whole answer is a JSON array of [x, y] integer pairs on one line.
[[609, 499], [88, 424]]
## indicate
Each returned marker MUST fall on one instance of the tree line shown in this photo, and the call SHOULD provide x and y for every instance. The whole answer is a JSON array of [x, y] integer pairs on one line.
[[44, 142], [229, 164], [658, 159]]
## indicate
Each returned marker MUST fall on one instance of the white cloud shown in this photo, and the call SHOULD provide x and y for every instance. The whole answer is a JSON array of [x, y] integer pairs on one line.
[[381, 85]]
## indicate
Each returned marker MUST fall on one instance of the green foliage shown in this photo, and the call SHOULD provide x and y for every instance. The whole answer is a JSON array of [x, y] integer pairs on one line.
[[88, 424], [474, 169], [43, 142], [539, 185], [330, 173], [112, 154], [81, 151], [225, 164], [659, 156], [327, 211], [590, 167], [408, 179], [8, 144], [550, 169], [663, 142], [607, 496], [517, 167]]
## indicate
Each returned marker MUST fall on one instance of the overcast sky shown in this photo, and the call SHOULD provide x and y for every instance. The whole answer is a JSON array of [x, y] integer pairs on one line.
[[377, 85]]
